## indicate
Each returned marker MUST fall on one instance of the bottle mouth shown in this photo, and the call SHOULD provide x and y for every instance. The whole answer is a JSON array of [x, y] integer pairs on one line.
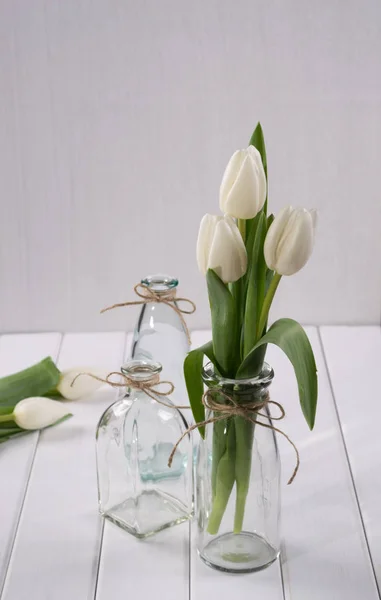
[[141, 370], [212, 378], [160, 283]]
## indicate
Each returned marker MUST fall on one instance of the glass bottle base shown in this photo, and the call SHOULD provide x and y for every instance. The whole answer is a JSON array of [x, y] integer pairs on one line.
[[147, 514], [239, 553]]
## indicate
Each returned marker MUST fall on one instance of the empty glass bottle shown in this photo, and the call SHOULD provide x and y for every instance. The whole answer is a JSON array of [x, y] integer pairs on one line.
[[160, 334], [238, 479], [135, 436]]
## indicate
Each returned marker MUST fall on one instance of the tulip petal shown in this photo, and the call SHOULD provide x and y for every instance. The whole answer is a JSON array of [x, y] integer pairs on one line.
[[230, 175], [204, 240], [37, 413], [296, 244], [74, 383], [262, 182], [242, 201], [227, 254], [243, 187], [239, 243], [274, 235]]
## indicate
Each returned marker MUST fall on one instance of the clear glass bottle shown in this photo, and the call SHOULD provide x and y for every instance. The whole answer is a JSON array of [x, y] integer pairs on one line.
[[238, 481], [160, 335], [135, 436]]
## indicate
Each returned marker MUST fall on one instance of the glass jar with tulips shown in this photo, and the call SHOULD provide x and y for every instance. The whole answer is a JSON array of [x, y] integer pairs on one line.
[[244, 253]]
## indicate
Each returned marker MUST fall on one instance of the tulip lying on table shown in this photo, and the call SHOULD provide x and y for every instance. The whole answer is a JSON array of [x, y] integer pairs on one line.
[[73, 387], [36, 413], [24, 404]]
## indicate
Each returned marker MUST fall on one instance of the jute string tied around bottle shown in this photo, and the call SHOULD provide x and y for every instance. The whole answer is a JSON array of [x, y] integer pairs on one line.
[[149, 385], [167, 297], [248, 411]]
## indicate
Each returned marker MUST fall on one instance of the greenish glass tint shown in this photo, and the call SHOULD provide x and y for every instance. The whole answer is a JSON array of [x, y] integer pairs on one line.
[[160, 283], [135, 436], [238, 480]]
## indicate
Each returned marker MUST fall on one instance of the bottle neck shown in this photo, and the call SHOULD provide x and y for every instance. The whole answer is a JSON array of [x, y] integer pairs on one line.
[[161, 285], [242, 390], [141, 373]]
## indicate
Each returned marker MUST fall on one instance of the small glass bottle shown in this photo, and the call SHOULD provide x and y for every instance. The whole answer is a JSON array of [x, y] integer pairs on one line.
[[238, 480], [160, 335], [135, 436]]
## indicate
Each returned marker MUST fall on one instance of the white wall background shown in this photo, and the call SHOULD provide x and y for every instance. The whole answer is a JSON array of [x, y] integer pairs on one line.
[[117, 118]]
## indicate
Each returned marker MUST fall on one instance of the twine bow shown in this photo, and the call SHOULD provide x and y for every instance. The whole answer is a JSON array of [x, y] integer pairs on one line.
[[148, 385], [249, 411], [230, 409], [167, 297]]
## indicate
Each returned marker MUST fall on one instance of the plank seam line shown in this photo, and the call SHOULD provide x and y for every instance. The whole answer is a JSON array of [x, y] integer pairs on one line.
[[6, 570], [100, 548], [190, 558], [349, 463], [19, 516], [280, 559]]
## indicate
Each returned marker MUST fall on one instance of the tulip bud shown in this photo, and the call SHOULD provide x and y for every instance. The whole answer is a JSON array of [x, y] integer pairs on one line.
[[290, 239], [37, 413], [75, 383], [243, 187], [220, 247]]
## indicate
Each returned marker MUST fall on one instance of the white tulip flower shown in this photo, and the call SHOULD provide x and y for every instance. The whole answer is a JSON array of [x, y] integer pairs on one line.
[[243, 188], [75, 383], [37, 413], [220, 247], [290, 239]]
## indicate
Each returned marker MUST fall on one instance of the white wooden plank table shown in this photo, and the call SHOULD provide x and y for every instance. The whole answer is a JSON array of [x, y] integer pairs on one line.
[[53, 545]]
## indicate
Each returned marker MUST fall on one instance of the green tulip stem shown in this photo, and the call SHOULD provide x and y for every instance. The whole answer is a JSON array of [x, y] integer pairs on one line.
[[267, 304], [6, 418], [244, 434], [219, 447], [224, 480]]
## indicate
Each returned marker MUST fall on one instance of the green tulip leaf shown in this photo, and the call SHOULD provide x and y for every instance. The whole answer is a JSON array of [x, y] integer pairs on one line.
[[36, 380], [226, 342], [258, 140], [251, 230], [256, 281], [193, 379], [292, 339], [7, 431], [15, 434], [6, 410]]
